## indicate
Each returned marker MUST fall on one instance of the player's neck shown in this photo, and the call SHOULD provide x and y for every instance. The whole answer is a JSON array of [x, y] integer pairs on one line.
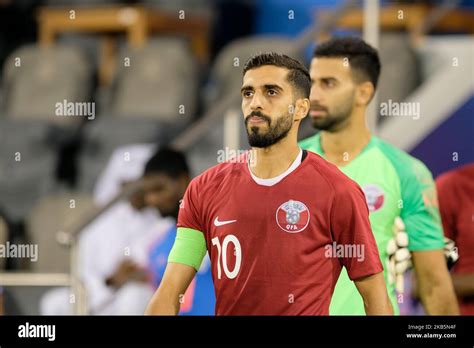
[[342, 146], [276, 159]]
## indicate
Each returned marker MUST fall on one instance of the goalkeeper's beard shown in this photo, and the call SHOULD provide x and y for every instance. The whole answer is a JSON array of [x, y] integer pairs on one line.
[[334, 120], [274, 133]]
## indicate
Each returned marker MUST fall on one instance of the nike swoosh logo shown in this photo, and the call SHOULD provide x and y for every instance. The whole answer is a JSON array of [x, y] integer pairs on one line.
[[218, 223]]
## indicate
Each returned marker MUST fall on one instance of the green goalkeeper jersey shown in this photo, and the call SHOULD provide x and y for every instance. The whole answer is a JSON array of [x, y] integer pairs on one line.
[[395, 184]]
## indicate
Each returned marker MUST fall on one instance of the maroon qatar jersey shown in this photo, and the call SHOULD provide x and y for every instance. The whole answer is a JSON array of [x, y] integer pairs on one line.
[[456, 205], [275, 249]]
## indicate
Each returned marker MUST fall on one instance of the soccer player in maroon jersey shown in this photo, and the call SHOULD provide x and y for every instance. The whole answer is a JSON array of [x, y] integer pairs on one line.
[[456, 205], [278, 231]]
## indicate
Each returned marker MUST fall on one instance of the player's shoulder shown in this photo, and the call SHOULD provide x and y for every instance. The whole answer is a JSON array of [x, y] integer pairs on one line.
[[446, 179], [453, 174], [393, 152], [215, 175], [456, 176], [406, 165], [329, 172]]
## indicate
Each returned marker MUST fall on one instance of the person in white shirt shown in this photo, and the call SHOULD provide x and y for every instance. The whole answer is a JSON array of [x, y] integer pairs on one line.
[[114, 249]]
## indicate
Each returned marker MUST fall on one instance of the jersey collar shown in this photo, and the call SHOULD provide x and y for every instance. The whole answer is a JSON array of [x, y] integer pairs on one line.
[[275, 180]]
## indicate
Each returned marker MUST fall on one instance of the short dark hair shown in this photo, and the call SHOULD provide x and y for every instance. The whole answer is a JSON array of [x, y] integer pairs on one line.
[[298, 75], [167, 161], [362, 57]]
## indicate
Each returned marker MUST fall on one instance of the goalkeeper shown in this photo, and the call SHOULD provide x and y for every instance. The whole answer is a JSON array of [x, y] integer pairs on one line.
[[344, 74]]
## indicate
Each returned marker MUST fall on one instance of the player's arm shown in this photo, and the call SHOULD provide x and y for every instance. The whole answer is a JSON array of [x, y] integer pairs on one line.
[[434, 283], [426, 242], [449, 207], [373, 290], [184, 261], [166, 300], [351, 226]]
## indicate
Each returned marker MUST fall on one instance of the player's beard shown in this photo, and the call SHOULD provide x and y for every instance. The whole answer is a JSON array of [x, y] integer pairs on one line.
[[334, 120], [274, 133]]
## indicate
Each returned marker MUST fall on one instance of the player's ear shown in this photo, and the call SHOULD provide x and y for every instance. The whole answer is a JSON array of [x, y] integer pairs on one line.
[[302, 106], [364, 93]]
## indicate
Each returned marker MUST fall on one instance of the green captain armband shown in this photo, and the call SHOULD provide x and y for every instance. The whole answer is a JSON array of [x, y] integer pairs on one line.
[[189, 248]]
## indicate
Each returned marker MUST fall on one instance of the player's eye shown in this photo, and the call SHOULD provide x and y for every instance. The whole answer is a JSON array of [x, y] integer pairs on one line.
[[272, 92], [329, 83], [247, 94]]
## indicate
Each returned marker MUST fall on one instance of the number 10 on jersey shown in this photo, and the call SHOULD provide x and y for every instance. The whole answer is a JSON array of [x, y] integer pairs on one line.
[[222, 251]]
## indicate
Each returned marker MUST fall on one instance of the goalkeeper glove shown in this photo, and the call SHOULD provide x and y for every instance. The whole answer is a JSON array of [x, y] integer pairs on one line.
[[450, 252], [399, 257]]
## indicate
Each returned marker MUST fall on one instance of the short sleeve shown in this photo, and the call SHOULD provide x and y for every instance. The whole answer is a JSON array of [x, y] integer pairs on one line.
[[352, 233], [190, 213], [420, 209]]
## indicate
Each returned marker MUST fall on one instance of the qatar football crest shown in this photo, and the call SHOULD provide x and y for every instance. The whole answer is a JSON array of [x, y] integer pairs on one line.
[[374, 196], [292, 216]]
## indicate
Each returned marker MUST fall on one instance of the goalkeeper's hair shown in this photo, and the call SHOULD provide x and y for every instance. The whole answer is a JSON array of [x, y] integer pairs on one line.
[[363, 58], [167, 161], [298, 75]]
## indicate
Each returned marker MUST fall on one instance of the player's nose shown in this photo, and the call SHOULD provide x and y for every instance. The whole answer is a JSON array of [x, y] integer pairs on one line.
[[316, 94], [256, 102]]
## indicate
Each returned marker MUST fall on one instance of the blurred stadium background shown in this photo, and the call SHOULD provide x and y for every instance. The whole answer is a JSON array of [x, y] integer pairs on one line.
[[169, 72]]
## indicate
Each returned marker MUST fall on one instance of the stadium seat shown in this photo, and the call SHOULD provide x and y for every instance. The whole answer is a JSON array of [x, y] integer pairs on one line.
[[24, 300], [37, 78], [226, 72], [103, 136], [27, 165], [42, 229], [159, 81]]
